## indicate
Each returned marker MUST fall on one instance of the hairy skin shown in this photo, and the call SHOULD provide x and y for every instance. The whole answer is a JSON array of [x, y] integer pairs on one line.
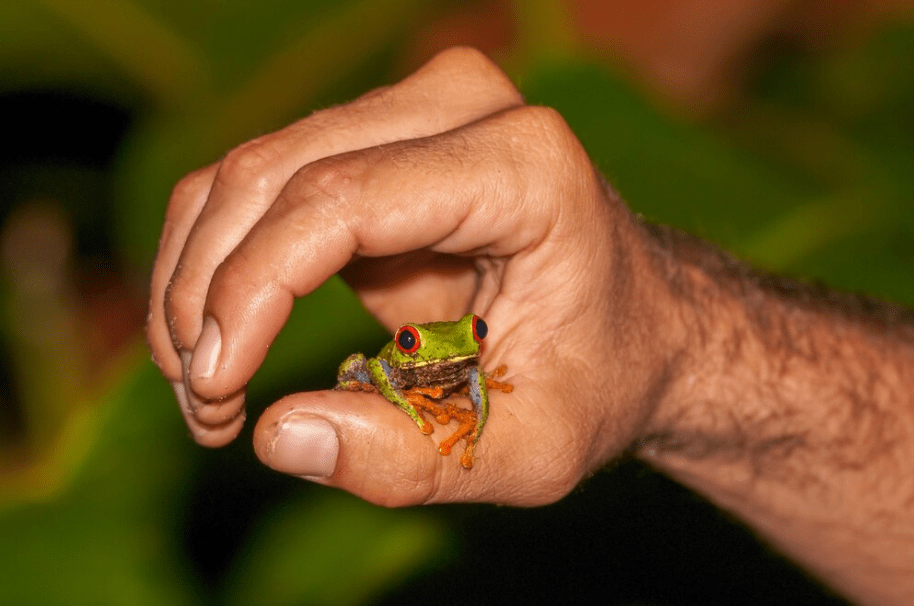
[[444, 194], [796, 414]]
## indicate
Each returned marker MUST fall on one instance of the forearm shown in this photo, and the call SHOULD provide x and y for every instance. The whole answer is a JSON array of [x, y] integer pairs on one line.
[[794, 409]]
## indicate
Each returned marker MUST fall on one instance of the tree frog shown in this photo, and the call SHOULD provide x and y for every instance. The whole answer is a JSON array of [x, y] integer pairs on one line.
[[431, 360]]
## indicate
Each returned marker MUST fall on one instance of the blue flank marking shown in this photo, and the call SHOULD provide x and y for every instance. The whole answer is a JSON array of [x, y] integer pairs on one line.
[[363, 376], [475, 394], [386, 367]]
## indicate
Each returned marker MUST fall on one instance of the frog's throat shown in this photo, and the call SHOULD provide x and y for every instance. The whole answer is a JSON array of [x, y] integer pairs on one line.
[[448, 362], [446, 375]]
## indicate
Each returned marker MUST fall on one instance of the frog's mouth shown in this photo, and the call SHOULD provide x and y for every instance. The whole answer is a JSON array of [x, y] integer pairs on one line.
[[461, 360], [451, 372]]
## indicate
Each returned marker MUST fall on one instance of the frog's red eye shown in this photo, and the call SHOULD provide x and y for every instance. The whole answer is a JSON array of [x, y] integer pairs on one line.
[[480, 330], [407, 339]]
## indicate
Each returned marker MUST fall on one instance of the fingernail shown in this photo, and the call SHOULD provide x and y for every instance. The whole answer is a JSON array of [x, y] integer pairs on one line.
[[181, 396], [304, 446], [218, 412], [188, 395], [207, 350], [206, 435]]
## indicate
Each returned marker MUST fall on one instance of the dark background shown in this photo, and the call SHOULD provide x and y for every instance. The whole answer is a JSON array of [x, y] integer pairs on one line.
[[782, 130]]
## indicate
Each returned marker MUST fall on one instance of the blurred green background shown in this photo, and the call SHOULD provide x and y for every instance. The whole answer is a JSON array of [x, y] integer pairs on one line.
[[804, 165]]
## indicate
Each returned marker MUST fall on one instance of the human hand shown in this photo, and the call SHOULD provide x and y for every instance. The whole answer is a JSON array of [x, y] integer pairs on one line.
[[436, 196]]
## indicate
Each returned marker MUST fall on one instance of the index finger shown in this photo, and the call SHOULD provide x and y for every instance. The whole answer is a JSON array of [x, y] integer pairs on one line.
[[483, 188], [214, 209]]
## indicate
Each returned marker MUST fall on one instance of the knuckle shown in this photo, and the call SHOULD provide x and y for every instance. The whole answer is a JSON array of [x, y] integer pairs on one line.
[[548, 121], [240, 288], [193, 186], [337, 179], [232, 276], [464, 56], [250, 163], [478, 67], [556, 143]]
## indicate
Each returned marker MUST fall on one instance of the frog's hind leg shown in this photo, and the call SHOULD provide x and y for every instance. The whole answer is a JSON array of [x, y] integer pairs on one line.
[[479, 396], [354, 375], [467, 419], [416, 397], [466, 459]]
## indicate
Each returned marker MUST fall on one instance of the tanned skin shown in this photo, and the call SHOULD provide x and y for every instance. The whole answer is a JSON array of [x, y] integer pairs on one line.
[[445, 194]]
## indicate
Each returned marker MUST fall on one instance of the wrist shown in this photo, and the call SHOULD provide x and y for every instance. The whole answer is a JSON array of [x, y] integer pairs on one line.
[[732, 358], [653, 331], [792, 409]]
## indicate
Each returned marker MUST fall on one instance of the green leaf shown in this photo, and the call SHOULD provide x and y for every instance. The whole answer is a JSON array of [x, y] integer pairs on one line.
[[664, 167], [97, 529], [336, 550], [284, 86]]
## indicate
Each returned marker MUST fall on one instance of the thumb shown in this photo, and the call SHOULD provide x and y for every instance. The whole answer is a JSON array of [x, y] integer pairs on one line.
[[363, 444]]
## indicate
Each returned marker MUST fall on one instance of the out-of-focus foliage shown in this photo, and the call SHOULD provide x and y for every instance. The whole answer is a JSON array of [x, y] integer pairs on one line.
[[103, 498], [810, 175], [92, 499]]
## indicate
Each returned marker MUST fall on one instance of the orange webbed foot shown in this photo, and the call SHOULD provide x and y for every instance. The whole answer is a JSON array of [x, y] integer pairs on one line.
[[416, 397], [492, 384], [356, 386], [465, 431], [466, 459], [444, 412], [467, 420]]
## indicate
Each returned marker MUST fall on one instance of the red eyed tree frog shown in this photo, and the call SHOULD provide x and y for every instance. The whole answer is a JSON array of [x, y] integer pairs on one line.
[[431, 360]]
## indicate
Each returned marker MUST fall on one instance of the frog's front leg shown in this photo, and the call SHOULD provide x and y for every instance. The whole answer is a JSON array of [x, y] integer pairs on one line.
[[354, 375], [491, 383], [380, 375]]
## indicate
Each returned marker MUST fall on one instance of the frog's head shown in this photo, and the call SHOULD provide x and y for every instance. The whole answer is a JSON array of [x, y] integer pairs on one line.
[[438, 342]]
